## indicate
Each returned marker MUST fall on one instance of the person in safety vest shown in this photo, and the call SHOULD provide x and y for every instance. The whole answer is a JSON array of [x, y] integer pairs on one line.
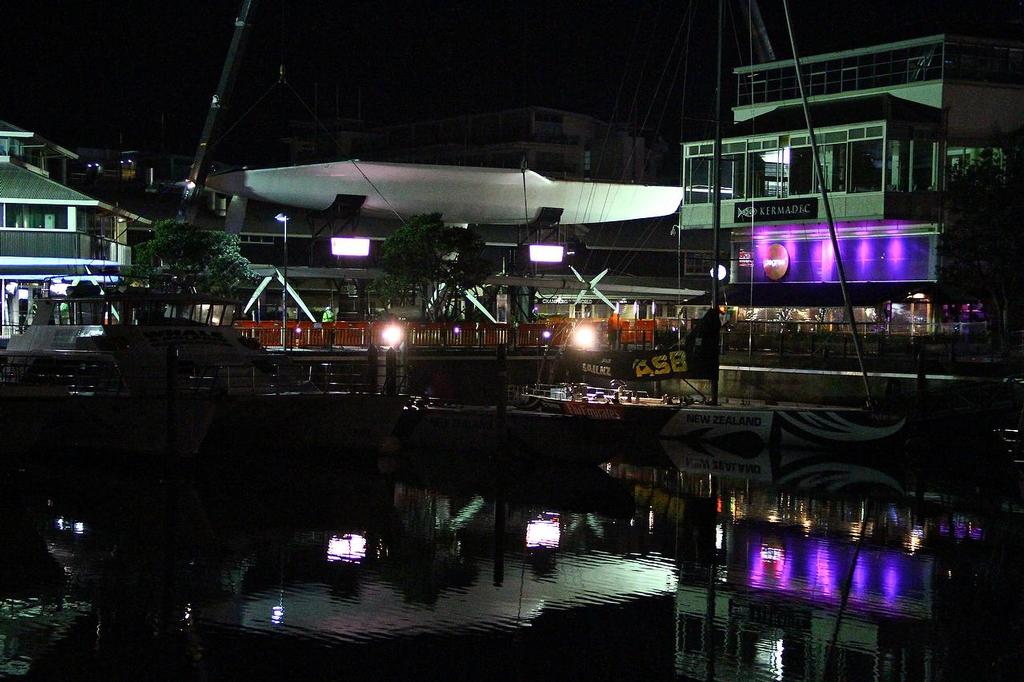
[[328, 315]]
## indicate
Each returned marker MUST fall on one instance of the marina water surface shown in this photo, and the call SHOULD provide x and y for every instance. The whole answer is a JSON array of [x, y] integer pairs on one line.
[[422, 567]]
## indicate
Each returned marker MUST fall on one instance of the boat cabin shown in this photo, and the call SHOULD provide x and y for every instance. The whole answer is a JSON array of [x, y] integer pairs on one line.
[[171, 310]]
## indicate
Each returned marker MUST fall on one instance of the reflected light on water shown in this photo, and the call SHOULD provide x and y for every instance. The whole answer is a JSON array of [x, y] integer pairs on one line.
[[543, 531], [350, 547]]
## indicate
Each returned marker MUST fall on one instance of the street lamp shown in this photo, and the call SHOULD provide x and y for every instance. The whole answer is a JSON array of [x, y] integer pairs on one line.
[[283, 218]]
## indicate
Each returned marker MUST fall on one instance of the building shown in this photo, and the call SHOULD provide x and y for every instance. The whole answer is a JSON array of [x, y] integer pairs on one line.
[[552, 142], [50, 233], [891, 121]]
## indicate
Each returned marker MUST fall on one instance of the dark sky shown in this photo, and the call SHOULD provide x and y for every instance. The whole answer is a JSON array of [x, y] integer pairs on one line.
[[93, 73]]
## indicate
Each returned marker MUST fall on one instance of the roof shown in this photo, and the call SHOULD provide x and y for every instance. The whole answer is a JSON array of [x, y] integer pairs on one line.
[[6, 127], [993, 34], [489, 196], [858, 109], [20, 183]]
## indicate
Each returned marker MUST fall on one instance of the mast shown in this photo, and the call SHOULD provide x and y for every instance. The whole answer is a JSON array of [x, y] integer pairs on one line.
[[828, 208], [716, 209], [214, 117]]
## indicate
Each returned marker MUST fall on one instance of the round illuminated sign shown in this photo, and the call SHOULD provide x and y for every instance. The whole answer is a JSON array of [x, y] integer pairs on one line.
[[776, 262]]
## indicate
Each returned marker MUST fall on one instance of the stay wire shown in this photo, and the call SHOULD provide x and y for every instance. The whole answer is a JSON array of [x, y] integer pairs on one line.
[[629, 256], [355, 164]]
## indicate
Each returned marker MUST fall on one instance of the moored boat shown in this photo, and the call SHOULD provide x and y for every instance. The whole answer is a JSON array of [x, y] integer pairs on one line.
[[736, 428], [151, 374]]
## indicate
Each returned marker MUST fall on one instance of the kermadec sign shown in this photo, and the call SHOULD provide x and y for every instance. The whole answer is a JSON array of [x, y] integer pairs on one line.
[[775, 210]]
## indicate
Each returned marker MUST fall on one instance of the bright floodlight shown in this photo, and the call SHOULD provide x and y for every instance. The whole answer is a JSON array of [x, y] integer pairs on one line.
[[722, 272], [350, 246], [546, 334], [281, 218], [392, 335], [546, 253], [585, 337]]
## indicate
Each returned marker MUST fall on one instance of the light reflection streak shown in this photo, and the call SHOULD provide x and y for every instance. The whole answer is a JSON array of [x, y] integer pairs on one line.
[[543, 531], [350, 548]]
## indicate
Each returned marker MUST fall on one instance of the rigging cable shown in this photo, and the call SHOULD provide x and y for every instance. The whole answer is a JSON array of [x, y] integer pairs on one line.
[[753, 126]]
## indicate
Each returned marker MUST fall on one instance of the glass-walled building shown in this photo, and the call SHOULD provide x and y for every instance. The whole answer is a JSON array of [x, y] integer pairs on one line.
[[891, 121], [49, 232]]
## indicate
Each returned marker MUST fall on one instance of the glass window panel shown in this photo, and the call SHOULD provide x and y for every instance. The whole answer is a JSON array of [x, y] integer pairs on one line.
[[769, 173], [897, 154], [801, 170], [923, 179], [866, 166], [36, 216], [732, 176], [833, 166], [698, 180]]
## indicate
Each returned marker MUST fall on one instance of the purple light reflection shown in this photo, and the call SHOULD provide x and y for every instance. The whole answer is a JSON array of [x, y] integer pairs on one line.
[[814, 569]]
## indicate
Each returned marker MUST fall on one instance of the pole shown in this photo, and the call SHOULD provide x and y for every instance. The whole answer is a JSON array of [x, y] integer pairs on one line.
[[284, 291], [828, 208], [716, 164]]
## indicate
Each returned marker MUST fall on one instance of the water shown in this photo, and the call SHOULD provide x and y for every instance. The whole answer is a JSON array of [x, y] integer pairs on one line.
[[623, 572]]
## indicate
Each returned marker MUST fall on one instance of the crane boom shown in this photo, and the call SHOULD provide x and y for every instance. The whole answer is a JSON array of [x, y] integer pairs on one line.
[[215, 116]]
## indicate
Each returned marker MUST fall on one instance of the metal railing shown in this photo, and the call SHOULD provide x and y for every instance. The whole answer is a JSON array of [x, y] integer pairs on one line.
[[833, 339], [443, 335]]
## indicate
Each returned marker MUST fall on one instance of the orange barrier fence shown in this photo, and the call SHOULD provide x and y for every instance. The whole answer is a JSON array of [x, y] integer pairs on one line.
[[303, 334]]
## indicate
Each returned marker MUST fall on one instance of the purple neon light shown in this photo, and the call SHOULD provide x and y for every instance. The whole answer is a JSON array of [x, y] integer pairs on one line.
[[867, 259]]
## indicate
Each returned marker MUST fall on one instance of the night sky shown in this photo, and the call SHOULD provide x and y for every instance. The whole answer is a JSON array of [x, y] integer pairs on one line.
[[106, 73]]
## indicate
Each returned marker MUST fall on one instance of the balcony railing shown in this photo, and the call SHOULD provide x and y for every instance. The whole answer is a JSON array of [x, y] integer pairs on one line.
[[62, 244]]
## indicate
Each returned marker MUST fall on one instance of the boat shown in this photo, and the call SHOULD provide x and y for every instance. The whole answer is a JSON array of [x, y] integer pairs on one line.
[[738, 428], [150, 374], [744, 427]]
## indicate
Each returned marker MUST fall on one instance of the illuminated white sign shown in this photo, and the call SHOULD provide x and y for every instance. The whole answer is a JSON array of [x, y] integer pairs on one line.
[[546, 253], [350, 246]]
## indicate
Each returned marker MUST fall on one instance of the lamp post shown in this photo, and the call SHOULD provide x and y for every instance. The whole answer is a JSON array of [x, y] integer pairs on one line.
[[283, 218]]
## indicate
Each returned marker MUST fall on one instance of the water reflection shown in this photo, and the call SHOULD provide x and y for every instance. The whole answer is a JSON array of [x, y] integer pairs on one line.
[[810, 585], [443, 568]]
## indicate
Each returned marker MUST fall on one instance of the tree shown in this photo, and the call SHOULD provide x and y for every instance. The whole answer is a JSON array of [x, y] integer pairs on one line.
[[437, 262], [981, 247], [183, 256]]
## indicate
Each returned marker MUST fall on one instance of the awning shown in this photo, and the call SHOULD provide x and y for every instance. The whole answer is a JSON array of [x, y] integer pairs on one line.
[[816, 294]]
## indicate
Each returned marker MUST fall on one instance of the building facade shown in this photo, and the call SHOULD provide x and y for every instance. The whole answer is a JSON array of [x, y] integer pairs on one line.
[[891, 122], [552, 142], [49, 232]]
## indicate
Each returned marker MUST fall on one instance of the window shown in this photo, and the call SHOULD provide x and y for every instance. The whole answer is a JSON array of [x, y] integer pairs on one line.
[[833, 166], [37, 216], [769, 173], [897, 153], [732, 176], [801, 170], [923, 170], [866, 166], [698, 180], [696, 263]]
